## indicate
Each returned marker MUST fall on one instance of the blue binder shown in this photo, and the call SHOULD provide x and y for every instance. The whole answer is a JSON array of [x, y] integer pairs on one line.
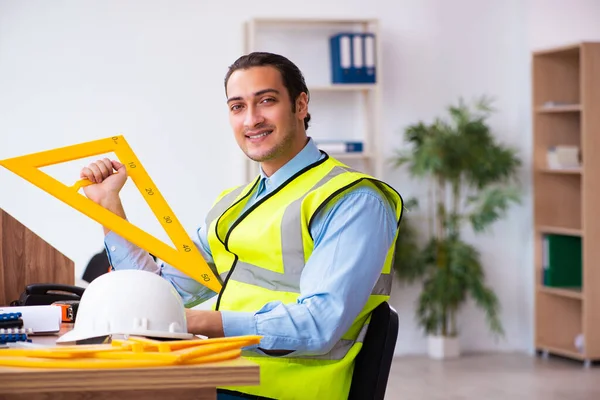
[[370, 58], [353, 57], [340, 47]]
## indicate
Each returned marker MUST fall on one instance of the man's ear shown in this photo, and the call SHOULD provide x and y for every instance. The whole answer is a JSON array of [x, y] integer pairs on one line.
[[302, 105]]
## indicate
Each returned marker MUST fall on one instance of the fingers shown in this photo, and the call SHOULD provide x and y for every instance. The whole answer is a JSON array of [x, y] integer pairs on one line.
[[99, 170], [105, 166], [96, 173], [105, 171], [86, 173], [117, 165]]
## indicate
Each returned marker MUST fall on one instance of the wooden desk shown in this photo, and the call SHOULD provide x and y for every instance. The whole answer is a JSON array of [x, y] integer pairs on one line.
[[197, 382]]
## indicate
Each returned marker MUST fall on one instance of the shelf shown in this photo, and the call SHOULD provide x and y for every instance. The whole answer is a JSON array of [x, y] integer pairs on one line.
[[554, 189], [313, 21], [556, 77], [560, 351], [559, 320], [566, 171], [562, 292], [567, 50], [343, 87], [559, 109], [560, 231], [350, 156]]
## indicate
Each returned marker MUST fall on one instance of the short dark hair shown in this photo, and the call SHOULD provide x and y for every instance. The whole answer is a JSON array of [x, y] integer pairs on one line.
[[291, 75]]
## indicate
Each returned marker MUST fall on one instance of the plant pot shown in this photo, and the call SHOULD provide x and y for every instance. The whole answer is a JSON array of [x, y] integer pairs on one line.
[[443, 347]]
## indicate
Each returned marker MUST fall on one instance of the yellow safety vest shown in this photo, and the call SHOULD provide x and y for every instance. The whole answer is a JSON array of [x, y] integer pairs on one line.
[[260, 256]]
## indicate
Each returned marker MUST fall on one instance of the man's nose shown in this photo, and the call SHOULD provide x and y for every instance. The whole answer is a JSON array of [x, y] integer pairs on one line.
[[253, 117]]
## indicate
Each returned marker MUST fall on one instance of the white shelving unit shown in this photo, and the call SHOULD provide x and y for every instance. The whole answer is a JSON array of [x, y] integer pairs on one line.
[[338, 111]]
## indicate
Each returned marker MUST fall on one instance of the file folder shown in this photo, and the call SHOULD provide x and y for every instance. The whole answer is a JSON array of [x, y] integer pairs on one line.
[[340, 47], [353, 57], [358, 59], [562, 261], [340, 146], [370, 61]]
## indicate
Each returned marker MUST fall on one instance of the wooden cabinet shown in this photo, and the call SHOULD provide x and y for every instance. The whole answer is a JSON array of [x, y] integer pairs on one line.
[[566, 112], [26, 258]]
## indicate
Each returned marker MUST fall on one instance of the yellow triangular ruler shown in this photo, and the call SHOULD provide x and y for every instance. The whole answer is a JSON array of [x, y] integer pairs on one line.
[[186, 257]]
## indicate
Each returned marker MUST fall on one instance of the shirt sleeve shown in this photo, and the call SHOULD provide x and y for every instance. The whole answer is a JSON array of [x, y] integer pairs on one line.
[[352, 239], [123, 254]]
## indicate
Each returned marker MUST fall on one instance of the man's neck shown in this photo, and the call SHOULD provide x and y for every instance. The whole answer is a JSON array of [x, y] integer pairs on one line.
[[272, 166]]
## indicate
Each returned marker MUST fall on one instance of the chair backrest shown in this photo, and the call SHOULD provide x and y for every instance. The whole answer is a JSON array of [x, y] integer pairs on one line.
[[373, 363]]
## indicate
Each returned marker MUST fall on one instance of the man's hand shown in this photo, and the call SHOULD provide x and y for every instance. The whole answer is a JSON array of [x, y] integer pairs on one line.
[[204, 322], [210, 324], [108, 178]]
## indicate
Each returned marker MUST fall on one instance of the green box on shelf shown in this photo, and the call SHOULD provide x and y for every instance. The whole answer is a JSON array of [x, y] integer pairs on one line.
[[562, 261]]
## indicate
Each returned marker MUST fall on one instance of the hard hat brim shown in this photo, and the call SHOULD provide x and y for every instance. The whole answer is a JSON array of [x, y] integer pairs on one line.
[[75, 335]]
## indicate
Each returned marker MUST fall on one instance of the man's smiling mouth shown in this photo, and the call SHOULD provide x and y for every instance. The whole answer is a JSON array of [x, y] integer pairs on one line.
[[258, 135]]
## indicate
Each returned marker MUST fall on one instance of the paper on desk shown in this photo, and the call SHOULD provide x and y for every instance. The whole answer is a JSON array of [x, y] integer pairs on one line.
[[41, 319]]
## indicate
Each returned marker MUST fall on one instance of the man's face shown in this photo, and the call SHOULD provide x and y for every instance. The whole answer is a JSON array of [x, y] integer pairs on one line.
[[260, 114]]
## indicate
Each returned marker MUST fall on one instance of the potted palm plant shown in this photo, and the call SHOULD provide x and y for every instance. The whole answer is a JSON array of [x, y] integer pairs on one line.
[[473, 181]]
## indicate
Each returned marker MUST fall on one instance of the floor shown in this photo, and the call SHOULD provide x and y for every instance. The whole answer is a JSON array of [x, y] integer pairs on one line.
[[492, 377]]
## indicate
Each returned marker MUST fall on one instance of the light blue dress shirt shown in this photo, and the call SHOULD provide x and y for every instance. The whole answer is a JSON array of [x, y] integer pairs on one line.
[[351, 240]]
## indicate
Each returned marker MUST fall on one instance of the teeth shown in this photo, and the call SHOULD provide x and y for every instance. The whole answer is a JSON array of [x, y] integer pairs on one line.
[[261, 134]]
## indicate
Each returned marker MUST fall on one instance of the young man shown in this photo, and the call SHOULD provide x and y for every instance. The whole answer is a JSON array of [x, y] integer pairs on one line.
[[304, 251]]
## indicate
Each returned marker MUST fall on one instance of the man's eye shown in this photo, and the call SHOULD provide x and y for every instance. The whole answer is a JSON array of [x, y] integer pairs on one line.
[[235, 107], [268, 100]]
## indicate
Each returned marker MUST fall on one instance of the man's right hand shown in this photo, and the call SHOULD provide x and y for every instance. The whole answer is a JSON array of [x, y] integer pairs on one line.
[[108, 178]]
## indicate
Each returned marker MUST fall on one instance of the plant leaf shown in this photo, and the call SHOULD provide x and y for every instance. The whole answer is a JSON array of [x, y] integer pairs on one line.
[[491, 205]]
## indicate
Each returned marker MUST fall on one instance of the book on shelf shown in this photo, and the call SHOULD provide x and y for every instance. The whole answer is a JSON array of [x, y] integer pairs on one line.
[[563, 157], [557, 104], [340, 146]]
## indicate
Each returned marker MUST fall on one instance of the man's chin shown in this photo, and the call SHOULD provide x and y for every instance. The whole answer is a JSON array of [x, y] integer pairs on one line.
[[259, 156]]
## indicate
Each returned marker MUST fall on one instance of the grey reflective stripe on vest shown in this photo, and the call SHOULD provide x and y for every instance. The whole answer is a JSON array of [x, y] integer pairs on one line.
[[341, 348], [265, 278], [285, 282], [292, 249], [222, 205], [337, 352], [383, 285]]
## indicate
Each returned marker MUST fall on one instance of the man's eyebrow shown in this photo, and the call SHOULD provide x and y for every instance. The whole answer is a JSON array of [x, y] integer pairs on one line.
[[269, 90], [256, 94]]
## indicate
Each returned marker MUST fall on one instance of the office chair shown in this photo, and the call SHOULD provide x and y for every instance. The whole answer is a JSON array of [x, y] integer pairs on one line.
[[373, 363]]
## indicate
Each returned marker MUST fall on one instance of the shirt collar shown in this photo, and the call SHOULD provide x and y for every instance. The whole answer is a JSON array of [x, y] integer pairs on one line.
[[308, 155]]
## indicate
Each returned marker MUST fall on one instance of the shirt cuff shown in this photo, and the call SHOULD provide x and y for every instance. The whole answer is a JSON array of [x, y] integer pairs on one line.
[[238, 323]]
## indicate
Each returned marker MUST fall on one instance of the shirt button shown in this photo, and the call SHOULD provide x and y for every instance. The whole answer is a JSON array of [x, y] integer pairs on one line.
[[113, 248]]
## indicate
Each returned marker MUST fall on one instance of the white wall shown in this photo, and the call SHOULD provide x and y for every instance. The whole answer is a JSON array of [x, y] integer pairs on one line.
[[468, 48], [153, 70], [557, 22]]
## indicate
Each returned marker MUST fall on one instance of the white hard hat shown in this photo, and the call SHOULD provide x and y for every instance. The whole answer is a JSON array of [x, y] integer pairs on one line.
[[129, 302]]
